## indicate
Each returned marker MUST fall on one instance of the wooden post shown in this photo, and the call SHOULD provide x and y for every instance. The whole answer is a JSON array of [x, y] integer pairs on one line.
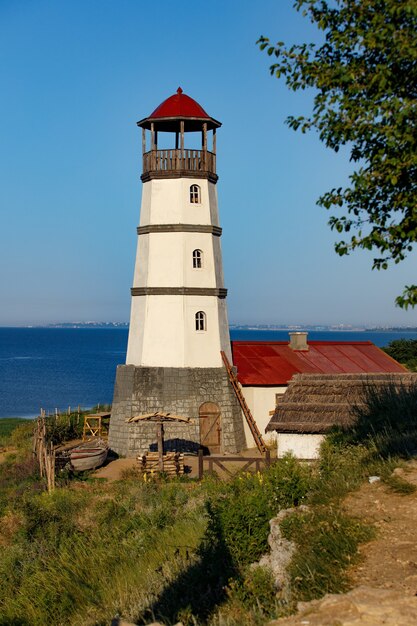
[[153, 155], [152, 136], [200, 463], [214, 150], [267, 458], [160, 440], [143, 141], [182, 143], [205, 146]]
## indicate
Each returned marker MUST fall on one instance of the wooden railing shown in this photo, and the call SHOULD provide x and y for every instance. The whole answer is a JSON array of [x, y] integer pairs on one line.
[[179, 160], [238, 463]]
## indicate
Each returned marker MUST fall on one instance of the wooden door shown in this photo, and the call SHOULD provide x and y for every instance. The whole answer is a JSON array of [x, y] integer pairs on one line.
[[210, 427]]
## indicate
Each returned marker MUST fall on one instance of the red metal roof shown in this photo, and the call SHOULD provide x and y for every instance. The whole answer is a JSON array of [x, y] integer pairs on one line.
[[262, 363], [179, 105]]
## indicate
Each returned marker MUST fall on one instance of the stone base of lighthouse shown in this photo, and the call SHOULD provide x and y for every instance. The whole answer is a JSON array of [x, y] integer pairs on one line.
[[181, 391]]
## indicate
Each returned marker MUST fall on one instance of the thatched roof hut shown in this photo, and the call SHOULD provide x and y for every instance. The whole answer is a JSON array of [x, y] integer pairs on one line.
[[313, 403]]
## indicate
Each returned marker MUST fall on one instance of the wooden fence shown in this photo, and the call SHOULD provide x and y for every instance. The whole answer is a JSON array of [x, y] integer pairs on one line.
[[244, 462], [45, 453]]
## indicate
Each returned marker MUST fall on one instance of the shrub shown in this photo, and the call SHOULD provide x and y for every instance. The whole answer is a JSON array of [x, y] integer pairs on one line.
[[245, 506], [340, 469], [255, 591], [404, 351], [327, 542], [64, 427], [387, 420]]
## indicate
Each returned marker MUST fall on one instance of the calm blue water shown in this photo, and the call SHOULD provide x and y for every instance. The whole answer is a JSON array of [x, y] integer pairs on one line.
[[56, 367]]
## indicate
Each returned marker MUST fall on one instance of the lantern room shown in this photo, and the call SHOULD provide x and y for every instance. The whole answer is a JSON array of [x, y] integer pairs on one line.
[[179, 114]]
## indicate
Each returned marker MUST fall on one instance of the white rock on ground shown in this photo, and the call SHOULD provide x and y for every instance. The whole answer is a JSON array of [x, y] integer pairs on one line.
[[363, 606], [281, 550]]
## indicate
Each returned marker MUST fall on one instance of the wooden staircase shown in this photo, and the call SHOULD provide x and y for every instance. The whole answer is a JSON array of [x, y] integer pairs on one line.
[[260, 444]]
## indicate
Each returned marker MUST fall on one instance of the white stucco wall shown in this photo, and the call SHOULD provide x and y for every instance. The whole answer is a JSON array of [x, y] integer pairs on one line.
[[162, 327], [261, 401], [303, 446], [167, 201], [166, 260]]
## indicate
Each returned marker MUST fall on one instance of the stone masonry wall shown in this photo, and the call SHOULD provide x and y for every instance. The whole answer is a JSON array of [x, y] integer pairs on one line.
[[177, 390]]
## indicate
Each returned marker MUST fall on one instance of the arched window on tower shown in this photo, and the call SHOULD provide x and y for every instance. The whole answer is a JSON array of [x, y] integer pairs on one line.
[[200, 321], [195, 194], [197, 259]]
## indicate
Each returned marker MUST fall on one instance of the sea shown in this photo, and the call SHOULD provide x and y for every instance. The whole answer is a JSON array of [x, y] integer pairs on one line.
[[57, 368]]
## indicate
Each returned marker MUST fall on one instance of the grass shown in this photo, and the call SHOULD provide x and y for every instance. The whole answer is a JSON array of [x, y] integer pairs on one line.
[[327, 542], [182, 550], [7, 426], [85, 553]]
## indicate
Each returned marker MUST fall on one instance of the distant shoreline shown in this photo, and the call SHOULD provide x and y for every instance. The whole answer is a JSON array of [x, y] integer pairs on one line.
[[251, 327]]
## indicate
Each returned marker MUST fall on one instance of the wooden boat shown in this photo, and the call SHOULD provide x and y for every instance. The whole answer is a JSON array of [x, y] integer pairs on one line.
[[89, 455]]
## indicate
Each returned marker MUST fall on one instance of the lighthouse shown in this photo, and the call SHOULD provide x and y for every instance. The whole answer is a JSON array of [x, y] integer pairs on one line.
[[178, 322]]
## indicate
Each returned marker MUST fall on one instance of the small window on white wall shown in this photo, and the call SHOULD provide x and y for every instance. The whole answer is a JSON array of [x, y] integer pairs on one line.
[[195, 196], [200, 321], [197, 259]]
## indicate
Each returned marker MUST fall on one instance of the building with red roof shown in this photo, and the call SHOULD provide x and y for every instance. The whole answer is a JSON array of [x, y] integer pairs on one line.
[[265, 368]]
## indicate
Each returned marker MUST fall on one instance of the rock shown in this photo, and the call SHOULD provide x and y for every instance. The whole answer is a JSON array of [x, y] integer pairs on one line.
[[282, 550], [363, 606], [374, 479]]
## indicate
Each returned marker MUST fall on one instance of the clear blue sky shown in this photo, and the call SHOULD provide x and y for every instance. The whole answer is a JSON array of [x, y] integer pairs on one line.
[[75, 78]]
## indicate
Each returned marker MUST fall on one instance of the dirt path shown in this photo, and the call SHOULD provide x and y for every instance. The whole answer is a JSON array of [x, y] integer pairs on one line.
[[385, 582], [390, 561]]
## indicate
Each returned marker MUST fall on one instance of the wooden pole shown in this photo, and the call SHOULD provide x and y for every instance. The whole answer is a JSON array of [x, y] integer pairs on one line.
[[143, 141], [152, 136], [267, 458], [200, 463], [153, 155], [205, 145], [182, 143], [160, 440], [214, 150]]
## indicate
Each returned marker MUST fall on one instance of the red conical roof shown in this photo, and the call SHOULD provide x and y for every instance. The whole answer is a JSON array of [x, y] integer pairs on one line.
[[179, 105]]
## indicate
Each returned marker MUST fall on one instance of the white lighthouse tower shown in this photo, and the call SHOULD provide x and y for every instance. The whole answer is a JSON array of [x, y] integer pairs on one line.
[[179, 316], [178, 323]]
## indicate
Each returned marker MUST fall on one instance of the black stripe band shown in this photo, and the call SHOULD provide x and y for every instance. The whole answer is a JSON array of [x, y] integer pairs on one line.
[[179, 228], [178, 291]]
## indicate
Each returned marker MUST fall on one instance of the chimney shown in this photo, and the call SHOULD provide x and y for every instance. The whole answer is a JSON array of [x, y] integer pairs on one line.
[[298, 341]]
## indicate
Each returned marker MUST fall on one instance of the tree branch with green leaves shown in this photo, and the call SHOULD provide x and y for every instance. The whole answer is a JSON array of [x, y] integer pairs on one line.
[[365, 79]]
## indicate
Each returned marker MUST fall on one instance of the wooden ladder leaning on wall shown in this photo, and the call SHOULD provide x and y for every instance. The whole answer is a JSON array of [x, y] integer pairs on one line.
[[260, 444]]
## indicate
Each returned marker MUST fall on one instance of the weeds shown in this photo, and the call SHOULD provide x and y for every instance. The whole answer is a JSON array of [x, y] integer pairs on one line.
[[399, 485], [327, 542], [7, 426], [387, 421]]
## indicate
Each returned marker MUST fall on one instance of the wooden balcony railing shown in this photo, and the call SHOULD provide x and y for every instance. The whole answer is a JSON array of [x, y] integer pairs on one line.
[[179, 160]]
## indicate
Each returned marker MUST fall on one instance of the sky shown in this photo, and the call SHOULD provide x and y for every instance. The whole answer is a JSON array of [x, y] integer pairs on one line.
[[77, 75]]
